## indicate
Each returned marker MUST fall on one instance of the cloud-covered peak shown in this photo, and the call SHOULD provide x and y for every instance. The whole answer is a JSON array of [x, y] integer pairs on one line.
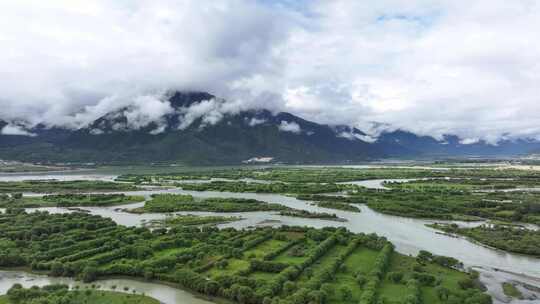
[[433, 68]]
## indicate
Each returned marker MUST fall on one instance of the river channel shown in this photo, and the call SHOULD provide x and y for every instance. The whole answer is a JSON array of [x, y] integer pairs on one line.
[[408, 235]]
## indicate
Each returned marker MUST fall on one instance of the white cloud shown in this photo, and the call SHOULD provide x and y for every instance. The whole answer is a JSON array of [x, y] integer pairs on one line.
[[292, 127], [256, 121], [353, 136], [431, 67], [469, 141], [146, 109], [15, 130], [160, 129], [80, 60]]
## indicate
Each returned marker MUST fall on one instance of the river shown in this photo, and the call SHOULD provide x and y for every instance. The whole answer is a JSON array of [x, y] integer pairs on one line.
[[161, 292], [408, 235]]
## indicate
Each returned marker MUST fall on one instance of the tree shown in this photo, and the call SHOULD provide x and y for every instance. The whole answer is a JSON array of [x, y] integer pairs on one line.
[[244, 294], [317, 297], [466, 283], [395, 277], [424, 256], [346, 293], [361, 279], [57, 269], [308, 272], [89, 273], [211, 288], [442, 292], [222, 264], [16, 293], [327, 289], [289, 287]]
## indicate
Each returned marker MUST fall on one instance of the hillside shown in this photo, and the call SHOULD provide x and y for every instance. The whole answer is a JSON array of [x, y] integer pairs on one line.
[[234, 138]]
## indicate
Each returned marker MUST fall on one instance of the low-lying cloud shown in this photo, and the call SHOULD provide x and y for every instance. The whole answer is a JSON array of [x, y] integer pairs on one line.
[[292, 127], [433, 68], [10, 129]]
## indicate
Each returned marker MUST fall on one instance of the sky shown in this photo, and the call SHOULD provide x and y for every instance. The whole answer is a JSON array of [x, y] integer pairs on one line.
[[470, 68]]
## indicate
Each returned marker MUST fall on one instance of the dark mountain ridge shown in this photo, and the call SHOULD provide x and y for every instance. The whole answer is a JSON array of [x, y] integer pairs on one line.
[[234, 138]]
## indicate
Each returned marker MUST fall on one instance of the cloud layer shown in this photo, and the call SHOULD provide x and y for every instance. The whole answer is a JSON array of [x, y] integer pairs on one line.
[[432, 67]]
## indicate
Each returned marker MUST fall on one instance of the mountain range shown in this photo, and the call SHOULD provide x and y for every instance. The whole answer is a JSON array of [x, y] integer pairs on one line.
[[231, 138]]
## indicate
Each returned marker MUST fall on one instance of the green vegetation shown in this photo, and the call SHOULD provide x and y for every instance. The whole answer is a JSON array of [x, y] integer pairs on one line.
[[337, 202], [466, 184], [509, 238], [179, 202], [54, 186], [336, 174], [191, 220], [67, 200], [258, 266], [265, 188], [18, 167], [309, 214], [449, 194], [456, 194], [17, 200], [337, 206], [61, 294], [456, 205], [511, 291]]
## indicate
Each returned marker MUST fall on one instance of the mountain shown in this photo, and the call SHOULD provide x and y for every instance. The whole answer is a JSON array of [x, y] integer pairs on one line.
[[229, 139]]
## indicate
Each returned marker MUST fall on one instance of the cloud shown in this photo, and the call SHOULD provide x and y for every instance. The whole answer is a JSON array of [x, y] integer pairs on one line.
[[289, 127], [430, 67], [256, 121], [433, 68], [68, 62], [353, 136], [15, 130], [469, 141]]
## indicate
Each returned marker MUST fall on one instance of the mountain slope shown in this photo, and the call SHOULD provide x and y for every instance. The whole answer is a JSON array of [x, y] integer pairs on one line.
[[235, 137]]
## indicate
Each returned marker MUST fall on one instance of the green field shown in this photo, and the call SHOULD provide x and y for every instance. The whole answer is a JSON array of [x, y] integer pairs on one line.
[[259, 266]]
